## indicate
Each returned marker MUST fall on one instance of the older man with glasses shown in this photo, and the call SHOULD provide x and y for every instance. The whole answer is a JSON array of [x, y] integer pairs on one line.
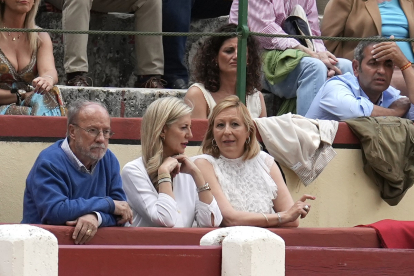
[[76, 180]]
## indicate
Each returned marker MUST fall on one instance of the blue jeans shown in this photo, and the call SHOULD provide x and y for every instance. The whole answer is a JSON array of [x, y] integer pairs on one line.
[[305, 81], [176, 17]]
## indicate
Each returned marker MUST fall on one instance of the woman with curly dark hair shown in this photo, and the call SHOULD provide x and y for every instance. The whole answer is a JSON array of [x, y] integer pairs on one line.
[[215, 73]]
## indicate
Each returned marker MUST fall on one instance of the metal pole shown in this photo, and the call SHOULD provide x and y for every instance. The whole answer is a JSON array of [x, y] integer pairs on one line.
[[243, 31]]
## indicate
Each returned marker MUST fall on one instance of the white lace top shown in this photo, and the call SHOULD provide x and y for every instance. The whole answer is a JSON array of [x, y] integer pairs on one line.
[[247, 185]]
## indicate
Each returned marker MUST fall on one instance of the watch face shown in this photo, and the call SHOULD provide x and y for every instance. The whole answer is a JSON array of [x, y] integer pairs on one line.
[[21, 91]]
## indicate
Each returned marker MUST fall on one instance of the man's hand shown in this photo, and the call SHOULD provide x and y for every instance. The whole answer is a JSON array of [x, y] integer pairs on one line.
[[86, 228], [330, 61], [389, 51], [326, 57], [122, 209], [401, 106]]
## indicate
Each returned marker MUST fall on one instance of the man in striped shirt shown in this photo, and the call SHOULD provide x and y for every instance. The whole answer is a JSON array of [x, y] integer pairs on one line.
[[304, 81]]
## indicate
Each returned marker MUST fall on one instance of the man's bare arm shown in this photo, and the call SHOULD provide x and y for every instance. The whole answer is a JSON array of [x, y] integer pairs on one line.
[[398, 108]]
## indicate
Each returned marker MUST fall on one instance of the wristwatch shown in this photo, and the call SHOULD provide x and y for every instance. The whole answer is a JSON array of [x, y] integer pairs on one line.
[[19, 93]]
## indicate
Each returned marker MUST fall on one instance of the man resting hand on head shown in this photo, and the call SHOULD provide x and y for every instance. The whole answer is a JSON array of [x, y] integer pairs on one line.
[[368, 93]]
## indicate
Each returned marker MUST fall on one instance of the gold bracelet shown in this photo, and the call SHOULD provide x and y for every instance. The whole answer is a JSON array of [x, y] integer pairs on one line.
[[162, 180], [265, 217], [405, 66], [165, 179], [164, 175], [203, 188]]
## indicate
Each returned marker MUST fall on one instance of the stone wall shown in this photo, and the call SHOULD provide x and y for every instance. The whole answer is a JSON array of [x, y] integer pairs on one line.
[[133, 102], [121, 102], [112, 57]]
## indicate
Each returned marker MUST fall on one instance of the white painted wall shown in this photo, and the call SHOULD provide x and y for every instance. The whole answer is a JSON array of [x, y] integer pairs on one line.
[[345, 195]]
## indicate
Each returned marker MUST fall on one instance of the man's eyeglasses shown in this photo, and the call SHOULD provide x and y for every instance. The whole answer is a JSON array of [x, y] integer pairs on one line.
[[94, 132]]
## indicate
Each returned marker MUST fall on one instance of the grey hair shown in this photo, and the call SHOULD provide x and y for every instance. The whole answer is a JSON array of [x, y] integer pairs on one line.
[[359, 50], [76, 107]]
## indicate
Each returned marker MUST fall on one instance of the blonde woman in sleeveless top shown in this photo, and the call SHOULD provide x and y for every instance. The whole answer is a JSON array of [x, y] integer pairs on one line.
[[27, 65]]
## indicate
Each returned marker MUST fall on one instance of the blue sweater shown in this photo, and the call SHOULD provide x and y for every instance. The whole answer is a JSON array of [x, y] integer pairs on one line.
[[56, 191]]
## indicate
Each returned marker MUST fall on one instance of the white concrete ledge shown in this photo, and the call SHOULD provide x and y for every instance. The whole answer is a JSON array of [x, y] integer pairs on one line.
[[248, 251], [27, 250]]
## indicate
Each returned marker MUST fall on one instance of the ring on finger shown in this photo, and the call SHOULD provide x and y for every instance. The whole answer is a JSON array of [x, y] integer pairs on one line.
[[306, 207], [88, 232]]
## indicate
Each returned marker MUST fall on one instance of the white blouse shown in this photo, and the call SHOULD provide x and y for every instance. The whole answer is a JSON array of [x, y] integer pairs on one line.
[[151, 209], [247, 185], [253, 103]]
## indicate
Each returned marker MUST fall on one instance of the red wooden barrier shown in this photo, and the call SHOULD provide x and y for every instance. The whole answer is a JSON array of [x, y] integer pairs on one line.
[[206, 260], [318, 237], [124, 128], [108, 260], [317, 261]]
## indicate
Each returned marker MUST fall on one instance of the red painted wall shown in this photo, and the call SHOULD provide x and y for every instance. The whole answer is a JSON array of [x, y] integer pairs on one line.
[[124, 128]]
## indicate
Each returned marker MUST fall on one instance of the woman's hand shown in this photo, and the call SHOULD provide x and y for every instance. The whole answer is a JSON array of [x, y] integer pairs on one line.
[[187, 166], [26, 95], [299, 209], [171, 166], [42, 84]]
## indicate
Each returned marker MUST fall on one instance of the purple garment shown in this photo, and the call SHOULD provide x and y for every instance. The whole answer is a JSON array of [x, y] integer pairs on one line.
[[267, 16]]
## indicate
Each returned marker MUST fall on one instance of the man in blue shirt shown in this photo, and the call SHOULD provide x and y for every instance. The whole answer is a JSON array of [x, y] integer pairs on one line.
[[368, 91], [76, 181]]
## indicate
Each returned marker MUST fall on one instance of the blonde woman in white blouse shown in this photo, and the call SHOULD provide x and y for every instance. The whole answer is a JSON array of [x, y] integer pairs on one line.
[[246, 182], [164, 187]]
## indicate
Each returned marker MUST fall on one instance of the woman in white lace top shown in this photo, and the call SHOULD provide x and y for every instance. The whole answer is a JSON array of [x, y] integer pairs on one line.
[[245, 181]]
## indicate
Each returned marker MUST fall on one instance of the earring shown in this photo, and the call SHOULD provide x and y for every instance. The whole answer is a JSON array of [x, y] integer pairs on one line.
[[162, 138], [214, 144], [248, 141]]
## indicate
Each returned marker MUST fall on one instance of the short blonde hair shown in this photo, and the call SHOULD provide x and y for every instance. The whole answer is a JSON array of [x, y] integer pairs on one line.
[[160, 113], [250, 149], [29, 23]]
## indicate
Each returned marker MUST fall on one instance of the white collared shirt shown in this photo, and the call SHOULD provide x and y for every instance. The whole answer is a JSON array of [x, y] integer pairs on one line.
[[72, 157]]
